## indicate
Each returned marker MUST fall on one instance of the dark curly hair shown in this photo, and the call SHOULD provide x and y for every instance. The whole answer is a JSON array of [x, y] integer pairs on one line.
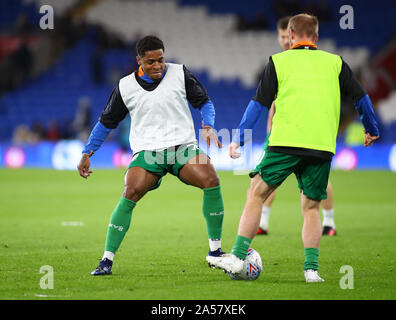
[[148, 43]]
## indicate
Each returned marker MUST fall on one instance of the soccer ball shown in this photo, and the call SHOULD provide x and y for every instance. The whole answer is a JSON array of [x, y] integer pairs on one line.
[[251, 268]]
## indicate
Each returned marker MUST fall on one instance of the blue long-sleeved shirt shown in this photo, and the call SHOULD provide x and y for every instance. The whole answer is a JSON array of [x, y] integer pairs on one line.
[[208, 113], [366, 113], [97, 137], [254, 112]]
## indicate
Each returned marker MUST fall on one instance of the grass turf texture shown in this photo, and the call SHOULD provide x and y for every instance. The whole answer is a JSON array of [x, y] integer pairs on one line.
[[163, 254]]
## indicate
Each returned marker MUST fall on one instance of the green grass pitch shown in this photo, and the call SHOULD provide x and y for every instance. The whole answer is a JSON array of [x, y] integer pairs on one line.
[[163, 254]]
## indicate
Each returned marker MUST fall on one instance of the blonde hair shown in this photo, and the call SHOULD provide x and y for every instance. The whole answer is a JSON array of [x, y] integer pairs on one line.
[[304, 25]]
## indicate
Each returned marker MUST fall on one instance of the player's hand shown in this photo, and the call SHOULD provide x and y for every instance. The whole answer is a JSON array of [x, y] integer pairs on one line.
[[233, 150], [210, 135], [369, 139], [83, 166]]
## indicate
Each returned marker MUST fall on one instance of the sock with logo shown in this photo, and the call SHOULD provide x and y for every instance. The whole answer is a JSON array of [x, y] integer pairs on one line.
[[119, 224], [311, 258], [213, 211], [241, 247]]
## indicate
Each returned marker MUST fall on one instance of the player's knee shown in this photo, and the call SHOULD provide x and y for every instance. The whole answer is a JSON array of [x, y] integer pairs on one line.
[[132, 193], [254, 190], [310, 205], [259, 189], [210, 182]]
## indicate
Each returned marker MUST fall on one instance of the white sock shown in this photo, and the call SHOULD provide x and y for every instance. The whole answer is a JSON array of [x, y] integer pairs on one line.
[[264, 221], [328, 218], [214, 244], [109, 255]]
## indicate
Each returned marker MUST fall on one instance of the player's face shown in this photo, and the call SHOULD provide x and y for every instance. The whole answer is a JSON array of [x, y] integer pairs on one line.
[[153, 63], [283, 39]]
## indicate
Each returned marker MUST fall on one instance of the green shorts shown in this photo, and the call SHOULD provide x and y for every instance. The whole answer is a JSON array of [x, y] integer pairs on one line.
[[312, 173], [169, 160]]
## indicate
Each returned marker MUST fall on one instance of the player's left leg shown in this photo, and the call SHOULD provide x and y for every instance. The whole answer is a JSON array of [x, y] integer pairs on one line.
[[198, 171], [271, 171], [328, 223], [311, 234], [258, 192]]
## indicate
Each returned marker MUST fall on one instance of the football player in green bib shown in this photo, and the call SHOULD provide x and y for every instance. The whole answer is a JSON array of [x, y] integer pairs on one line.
[[306, 84], [327, 204]]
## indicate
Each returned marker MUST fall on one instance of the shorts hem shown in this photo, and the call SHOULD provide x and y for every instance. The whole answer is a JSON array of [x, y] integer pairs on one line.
[[148, 170], [255, 173], [313, 198]]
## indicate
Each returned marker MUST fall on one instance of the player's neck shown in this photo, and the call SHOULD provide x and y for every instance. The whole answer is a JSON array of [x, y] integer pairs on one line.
[[146, 78], [303, 42]]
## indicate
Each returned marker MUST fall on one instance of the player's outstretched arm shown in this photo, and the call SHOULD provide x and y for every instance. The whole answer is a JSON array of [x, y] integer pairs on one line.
[[209, 134], [366, 112], [114, 112], [369, 139], [233, 150], [351, 87], [197, 95], [208, 118], [83, 166], [254, 112], [257, 107], [96, 139]]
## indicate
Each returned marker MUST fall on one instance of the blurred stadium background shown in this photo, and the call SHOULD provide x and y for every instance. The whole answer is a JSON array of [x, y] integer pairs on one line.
[[54, 83]]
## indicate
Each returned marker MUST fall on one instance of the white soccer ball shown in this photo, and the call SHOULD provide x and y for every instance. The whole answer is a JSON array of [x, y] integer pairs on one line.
[[252, 267]]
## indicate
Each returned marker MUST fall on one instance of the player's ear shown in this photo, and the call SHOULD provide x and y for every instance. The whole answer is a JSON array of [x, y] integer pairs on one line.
[[315, 38], [138, 60], [291, 34]]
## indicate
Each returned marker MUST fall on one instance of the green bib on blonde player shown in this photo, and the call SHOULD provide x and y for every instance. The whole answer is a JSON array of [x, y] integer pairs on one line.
[[307, 106]]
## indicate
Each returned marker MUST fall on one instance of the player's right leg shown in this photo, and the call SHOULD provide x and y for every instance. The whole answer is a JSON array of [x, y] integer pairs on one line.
[[138, 181], [266, 208], [248, 224], [271, 171]]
